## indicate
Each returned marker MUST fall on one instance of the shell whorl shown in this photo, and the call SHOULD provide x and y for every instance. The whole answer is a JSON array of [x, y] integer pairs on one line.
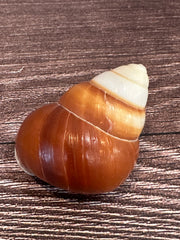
[[128, 83], [113, 101]]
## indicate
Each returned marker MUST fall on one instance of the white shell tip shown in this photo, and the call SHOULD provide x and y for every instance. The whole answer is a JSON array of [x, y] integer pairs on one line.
[[128, 82], [134, 72]]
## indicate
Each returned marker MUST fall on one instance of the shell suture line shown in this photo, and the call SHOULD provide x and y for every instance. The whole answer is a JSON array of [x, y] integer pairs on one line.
[[112, 70], [122, 139], [65, 169]]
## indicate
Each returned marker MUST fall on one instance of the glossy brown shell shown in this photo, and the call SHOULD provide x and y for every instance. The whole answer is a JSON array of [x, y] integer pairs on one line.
[[72, 146]]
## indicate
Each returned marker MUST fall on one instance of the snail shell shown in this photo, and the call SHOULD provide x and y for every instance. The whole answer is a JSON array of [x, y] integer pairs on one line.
[[87, 142]]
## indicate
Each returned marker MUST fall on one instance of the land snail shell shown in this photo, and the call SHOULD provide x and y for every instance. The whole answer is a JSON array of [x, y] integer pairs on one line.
[[87, 142]]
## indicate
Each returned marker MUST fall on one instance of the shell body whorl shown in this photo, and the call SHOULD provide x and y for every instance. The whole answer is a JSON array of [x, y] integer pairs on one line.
[[85, 143]]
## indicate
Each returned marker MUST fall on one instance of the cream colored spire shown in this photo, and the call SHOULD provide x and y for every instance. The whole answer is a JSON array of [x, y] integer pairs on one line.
[[129, 83]]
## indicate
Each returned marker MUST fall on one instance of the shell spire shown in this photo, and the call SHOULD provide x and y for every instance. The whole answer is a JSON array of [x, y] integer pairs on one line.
[[113, 101]]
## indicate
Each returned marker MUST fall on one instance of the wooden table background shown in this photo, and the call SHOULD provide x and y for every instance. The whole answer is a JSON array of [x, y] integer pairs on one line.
[[46, 47]]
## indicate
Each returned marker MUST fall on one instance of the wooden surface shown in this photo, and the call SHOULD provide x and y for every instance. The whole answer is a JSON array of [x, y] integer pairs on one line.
[[46, 47]]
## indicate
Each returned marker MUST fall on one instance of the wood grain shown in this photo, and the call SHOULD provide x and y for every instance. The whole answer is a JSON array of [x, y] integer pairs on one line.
[[48, 46]]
